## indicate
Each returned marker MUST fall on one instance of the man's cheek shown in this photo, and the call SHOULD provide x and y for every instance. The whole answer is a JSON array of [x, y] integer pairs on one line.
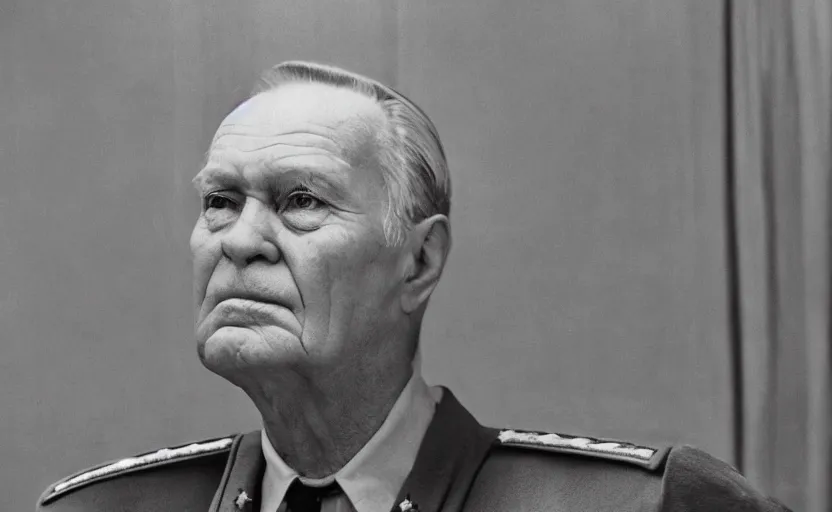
[[312, 275], [202, 274], [205, 263]]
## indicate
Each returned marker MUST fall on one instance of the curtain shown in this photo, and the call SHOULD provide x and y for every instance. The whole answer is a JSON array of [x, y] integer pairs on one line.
[[780, 140]]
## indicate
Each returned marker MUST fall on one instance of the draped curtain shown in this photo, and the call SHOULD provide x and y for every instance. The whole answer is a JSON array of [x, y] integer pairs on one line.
[[779, 89]]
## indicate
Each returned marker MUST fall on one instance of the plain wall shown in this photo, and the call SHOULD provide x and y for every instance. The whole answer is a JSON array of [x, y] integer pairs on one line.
[[586, 290]]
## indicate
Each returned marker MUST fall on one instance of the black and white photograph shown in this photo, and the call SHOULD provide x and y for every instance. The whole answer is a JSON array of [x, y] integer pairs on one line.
[[404, 256]]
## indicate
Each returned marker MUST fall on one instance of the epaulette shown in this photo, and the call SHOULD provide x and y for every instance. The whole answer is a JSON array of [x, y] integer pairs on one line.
[[137, 463], [644, 456]]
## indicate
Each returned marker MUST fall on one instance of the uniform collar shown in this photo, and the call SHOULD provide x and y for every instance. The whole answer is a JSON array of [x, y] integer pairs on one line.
[[452, 452], [373, 477]]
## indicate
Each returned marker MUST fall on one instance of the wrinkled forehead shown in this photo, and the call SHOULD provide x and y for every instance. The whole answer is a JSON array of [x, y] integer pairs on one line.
[[346, 118]]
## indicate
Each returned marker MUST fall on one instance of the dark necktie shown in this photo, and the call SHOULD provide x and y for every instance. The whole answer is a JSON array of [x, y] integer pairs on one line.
[[303, 498]]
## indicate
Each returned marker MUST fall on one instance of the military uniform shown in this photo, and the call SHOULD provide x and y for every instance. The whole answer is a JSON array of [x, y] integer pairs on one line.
[[460, 466]]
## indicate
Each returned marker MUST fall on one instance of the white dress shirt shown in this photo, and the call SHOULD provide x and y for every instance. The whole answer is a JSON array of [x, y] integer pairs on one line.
[[372, 478]]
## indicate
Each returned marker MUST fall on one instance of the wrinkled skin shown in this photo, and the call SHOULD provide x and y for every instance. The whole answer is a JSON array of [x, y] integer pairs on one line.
[[300, 300]]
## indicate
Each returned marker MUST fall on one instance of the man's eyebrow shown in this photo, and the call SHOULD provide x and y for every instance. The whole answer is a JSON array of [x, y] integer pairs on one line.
[[283, 178], [211, 174], [312, 178]]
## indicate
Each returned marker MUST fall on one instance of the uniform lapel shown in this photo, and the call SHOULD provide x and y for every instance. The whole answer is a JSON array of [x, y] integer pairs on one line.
[[243, 474], [452, 451]]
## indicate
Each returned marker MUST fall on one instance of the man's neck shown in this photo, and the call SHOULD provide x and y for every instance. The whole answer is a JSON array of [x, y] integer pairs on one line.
[[317, 431]]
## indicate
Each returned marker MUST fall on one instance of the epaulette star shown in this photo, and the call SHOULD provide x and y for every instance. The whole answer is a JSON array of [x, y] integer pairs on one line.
[[408, 506], [242, 499]]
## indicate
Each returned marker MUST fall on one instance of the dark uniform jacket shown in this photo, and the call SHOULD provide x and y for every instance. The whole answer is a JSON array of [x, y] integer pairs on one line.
[[460, 466]]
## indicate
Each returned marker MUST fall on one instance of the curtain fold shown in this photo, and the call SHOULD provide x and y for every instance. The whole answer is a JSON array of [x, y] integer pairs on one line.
[[781, 112], [812, 27]]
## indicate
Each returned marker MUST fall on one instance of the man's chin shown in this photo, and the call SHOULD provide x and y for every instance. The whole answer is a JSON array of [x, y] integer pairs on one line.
[[232, 349]]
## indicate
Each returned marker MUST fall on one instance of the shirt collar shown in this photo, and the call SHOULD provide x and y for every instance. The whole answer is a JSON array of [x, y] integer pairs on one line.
[[372, 478]]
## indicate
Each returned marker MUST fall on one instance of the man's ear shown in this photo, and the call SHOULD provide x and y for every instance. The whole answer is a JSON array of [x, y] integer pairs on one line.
[[429, 243]]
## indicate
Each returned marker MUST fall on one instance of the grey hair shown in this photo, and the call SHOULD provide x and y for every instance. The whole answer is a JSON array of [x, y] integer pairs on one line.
[[417, 179]]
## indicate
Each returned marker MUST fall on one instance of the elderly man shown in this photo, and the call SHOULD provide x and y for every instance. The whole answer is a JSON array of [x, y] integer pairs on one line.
[[324, 229]]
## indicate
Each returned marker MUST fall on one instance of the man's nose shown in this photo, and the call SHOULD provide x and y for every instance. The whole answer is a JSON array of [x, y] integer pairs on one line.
[[252, 237]]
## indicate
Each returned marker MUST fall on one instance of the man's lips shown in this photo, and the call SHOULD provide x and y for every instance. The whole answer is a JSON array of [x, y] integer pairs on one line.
[[239, 312], [248, 297], [237, 308]]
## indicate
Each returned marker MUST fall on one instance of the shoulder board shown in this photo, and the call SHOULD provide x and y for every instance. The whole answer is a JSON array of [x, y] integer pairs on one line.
[[644, 456], [139, 462]]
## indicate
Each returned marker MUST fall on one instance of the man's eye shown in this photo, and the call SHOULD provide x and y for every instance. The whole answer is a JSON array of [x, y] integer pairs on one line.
[[301, 201], [218, 202]]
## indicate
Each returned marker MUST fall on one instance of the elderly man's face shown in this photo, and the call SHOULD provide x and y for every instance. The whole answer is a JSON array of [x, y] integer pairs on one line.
[[290, 261]]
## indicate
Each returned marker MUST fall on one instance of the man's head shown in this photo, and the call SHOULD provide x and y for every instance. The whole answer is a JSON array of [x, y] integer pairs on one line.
[[323, 230]]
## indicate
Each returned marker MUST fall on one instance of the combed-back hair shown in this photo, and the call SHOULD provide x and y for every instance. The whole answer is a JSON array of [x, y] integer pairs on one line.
[[416, 171]]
